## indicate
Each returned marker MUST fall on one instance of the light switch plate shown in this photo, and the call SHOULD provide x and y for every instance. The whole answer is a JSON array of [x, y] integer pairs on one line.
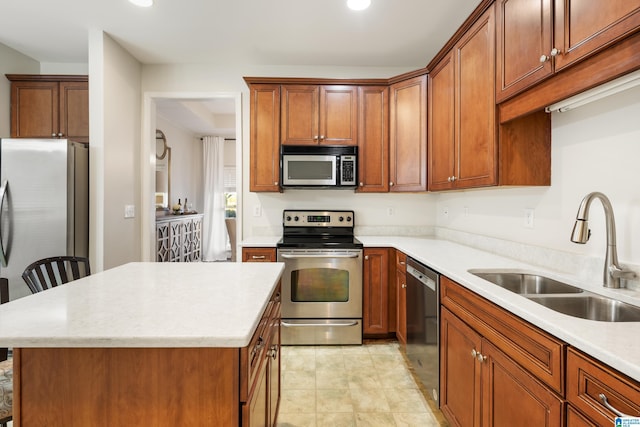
[[129, 211]]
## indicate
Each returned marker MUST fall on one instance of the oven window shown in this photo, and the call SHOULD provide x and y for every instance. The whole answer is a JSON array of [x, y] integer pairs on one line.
[[320, 285]]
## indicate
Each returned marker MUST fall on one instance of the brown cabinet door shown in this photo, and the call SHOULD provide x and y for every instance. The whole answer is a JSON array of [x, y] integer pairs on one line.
[[441, 125], [255, 411], [373, 139], [265, 138], [74, 111], [576, 419], [300, 115], [475, 120], [338, 115], [582, 28], [375, 312], [273, 379], [408, 135], [512, 397], [401, 319], [524, 35], [258, 255], [459, 371], [34, 109]]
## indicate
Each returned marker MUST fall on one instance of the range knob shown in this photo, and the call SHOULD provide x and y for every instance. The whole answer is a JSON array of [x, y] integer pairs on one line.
[[341, 219], [288, 218], [296, 218], [348, 219]]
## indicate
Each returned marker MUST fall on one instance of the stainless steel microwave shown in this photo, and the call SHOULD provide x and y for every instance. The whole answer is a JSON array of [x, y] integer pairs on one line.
[[318, 166]]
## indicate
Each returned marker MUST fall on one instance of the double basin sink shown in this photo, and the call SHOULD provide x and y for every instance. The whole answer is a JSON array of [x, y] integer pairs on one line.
[[562, 297]]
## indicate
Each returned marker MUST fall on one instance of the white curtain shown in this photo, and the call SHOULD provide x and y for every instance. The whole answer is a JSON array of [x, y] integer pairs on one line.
[[214, 238]]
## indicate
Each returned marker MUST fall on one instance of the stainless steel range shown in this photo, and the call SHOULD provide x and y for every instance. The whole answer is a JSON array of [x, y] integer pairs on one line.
[[322, 280]]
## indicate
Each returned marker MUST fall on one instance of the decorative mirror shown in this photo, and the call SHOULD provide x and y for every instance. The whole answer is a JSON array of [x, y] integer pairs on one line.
[[163, 172]]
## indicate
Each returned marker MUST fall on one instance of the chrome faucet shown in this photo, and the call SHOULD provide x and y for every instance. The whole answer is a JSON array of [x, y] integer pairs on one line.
[[581, 233]]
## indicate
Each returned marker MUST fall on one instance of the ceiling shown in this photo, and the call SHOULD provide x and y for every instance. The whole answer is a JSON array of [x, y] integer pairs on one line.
[[238, 33]]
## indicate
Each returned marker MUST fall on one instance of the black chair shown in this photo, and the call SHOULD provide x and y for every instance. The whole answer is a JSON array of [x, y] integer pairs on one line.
[[6, 369], [49, 272]]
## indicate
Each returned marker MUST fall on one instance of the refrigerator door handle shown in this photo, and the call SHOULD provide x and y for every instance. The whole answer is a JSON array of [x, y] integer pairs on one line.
[[3, 192]]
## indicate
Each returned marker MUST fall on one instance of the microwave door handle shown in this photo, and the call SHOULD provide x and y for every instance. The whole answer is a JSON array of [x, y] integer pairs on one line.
[[288, 256]]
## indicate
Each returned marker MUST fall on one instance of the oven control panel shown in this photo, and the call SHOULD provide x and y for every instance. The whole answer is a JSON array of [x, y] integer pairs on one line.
[[291, 218]]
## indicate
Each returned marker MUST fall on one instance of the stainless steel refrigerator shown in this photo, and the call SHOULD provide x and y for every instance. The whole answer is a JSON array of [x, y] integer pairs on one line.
[[44, 204]]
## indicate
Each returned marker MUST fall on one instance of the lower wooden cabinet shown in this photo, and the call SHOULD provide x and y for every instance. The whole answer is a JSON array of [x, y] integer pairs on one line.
[[401, 297], [587, 380], [260, 370], [375, 312], [259, 255], [490, 362]]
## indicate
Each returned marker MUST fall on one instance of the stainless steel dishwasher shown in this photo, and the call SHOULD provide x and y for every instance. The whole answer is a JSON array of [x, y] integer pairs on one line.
[[423, 325]]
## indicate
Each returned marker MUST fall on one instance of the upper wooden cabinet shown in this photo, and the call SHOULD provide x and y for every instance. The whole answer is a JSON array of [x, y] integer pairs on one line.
[[319, 114], [49, 106], [538, 38], [462, 112], [264, 142], [408, 135], [373, 139]]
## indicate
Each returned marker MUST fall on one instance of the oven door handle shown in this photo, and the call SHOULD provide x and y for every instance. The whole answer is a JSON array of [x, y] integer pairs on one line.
[[336, 323], [288, 256]]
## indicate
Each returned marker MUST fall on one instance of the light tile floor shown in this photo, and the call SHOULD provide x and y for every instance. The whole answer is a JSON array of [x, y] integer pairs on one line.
[[368, 385]]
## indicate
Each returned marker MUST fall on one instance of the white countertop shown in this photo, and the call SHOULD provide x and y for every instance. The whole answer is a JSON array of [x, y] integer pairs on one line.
[[146, 305], [614, 343]]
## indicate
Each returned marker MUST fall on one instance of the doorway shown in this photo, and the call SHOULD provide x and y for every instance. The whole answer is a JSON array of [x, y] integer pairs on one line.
[[188, 117]]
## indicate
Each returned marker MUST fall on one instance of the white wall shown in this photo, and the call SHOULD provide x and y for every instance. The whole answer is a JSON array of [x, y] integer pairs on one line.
[[186, 164], [64, 68], [594, 148], [115, 134], [11, 62]]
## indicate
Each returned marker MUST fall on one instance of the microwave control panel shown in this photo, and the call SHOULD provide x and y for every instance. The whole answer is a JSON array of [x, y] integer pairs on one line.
[[348, 170]]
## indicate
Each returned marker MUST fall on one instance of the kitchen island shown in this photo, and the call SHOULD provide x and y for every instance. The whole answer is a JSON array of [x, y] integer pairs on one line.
[[147, 344]]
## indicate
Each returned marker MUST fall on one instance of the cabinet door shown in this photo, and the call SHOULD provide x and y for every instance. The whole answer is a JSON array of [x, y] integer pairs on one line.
[[524, 35], [254, 412], [258, 255], [576, 419], [512, 397], [376, 284], [441, 125], [274, 369], [74, 111], [373, 139], [582, 28], [300, 117], [265, 138], [408, 137], [401, 320], [459, 371], [338, 115], [475, 120], [34, 109]]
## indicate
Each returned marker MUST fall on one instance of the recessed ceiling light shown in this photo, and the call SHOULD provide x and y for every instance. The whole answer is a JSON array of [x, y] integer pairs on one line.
[[142, 3], [358, 4]]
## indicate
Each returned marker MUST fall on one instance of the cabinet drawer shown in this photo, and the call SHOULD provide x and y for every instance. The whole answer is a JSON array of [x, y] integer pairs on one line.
[[587, 379], [535, 350], [258, 255], [252, 356]]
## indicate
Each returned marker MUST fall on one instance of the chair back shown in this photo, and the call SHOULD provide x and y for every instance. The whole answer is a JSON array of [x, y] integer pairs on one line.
[[49, 272]]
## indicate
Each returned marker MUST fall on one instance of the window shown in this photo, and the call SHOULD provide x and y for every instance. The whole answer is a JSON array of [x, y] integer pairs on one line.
[[230, 195]]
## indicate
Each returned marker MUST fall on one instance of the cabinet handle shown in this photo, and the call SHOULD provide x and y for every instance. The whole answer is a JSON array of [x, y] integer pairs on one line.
[[391, 184], [315, 137], [361, 184], [275, 183], [474, 353], [555, 52], [60, 134], [544, 58], [53, 135], [274, 352], [605, 402], [402, 263], [321, 137], [481, 357], [366, 257], [404, 285], [258, 257]]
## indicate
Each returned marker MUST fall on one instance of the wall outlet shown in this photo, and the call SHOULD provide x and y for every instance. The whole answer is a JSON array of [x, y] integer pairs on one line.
[[129, 211], [257, 210], [445, 213], [390, 211], [529, 217]]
